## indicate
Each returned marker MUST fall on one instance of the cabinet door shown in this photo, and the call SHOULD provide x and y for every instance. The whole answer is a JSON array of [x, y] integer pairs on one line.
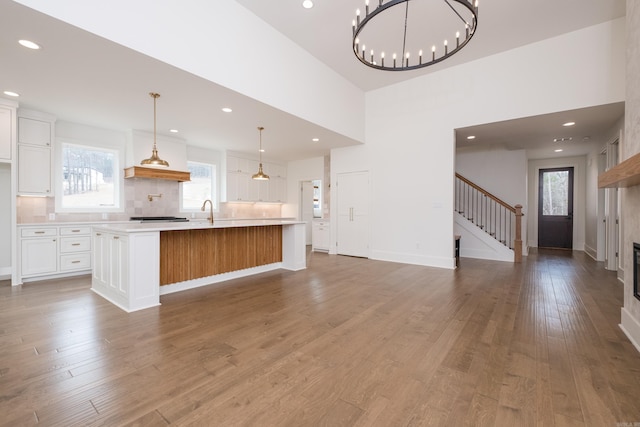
[[39, 256], [34, 170], [353, 214], [119, 265], [237, 187], [101, 259], [5, 133], [34, 132]]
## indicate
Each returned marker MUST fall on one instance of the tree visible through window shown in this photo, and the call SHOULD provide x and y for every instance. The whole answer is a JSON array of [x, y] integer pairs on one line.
[[200, 188], [89, 177], [555, 197]]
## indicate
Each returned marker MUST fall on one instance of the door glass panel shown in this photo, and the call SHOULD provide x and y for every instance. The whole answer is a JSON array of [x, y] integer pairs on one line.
[[555, 193]]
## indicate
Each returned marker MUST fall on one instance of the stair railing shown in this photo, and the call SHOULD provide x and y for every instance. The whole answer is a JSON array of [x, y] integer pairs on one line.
[[495, 217]]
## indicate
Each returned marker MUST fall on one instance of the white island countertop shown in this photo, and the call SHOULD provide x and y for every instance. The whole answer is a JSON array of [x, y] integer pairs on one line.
[[138, 227]]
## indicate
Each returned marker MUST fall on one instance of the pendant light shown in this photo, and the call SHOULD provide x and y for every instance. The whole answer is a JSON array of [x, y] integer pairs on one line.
[[154, 160], [260, 176]]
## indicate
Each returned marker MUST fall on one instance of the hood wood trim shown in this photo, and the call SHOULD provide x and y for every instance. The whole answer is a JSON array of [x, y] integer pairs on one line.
[[156, 173]]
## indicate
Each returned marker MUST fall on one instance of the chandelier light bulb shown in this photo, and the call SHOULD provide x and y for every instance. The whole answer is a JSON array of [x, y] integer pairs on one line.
[[467, 13]]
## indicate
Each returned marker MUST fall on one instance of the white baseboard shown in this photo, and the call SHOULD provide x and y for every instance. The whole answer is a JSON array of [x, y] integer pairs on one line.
[[591, 252], [631, 328], [405, 258]]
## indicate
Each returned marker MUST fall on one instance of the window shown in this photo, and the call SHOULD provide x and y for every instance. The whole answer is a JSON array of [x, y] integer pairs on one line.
[[90, 178], [200, 188]]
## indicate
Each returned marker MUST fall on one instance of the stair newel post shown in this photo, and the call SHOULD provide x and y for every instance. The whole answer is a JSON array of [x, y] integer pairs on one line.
[[517, 243]]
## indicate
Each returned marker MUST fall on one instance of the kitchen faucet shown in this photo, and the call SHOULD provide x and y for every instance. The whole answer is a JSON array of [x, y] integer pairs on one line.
[[210, 209]]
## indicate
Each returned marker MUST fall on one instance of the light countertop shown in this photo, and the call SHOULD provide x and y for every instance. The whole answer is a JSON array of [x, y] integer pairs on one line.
[[137, 227]]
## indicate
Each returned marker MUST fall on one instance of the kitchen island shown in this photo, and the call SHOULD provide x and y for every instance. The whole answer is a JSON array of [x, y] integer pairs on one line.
[[134, 263]]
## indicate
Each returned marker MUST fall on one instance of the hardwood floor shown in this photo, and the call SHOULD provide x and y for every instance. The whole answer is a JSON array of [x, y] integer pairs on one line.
[[347, 342]]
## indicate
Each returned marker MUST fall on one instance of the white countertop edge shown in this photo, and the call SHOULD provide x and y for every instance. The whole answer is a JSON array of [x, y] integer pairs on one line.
[[114, 222], [137, 227]]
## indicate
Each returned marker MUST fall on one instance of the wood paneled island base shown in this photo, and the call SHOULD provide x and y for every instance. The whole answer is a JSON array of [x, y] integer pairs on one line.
[[193, 254], [134, 263]]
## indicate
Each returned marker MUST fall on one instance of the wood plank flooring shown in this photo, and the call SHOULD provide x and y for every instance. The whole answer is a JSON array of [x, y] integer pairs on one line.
[[346, 342]]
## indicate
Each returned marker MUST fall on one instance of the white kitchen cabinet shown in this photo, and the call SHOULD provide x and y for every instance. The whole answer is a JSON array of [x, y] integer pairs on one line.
[[320, 235], [35, 158], [75, 248], [34, 170], [6, 131], [54, 251], [242, 188], [353, 214], [117, 277], [34, 132], [39, 251]]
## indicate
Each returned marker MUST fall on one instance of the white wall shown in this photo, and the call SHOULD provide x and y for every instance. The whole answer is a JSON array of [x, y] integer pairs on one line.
[[630, 146], [579, 197], [410, 126], [241, 52]]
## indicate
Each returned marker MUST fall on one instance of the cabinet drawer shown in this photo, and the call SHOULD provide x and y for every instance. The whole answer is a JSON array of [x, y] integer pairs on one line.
[[81, 261], [75, 231], [75, 244], [38, 232]]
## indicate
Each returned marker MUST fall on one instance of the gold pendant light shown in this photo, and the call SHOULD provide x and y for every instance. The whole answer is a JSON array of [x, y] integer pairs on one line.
[[154, 160], [260, 176]]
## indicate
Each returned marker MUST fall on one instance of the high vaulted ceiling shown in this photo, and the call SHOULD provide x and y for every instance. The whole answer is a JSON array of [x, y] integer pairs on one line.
[[86, 79]]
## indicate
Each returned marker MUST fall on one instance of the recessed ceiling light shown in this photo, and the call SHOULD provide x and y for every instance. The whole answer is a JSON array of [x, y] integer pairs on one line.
[[559, 150], [316, 139], [9, 93], [563, 139], [307, 4], [227, 110], [29, 44], [471, 137], [261, 150], [569, 124], [173, 130]]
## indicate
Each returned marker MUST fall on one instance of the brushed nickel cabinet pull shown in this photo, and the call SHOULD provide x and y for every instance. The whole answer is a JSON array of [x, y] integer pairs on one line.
[[116, 237], [75, 262], [75, 231], [98, 234], [38, 232], [75, 244]]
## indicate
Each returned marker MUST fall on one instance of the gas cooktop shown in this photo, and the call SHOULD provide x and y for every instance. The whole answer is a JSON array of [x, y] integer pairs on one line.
[[158, 219]]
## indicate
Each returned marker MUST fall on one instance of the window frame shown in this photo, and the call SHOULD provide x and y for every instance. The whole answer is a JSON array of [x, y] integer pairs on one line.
[[214, 185], [118, 175]]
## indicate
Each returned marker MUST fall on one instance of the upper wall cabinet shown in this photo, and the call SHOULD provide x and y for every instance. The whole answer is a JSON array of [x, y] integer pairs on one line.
[[5, 133], [241, 188], [7, 130], [35, 153]]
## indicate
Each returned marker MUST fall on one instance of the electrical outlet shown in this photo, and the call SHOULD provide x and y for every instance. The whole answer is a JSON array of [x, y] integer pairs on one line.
[[52, 217], [105, 216]]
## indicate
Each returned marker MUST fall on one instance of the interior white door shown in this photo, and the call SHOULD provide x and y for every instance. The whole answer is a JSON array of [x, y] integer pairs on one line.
[[306, 207], [353, 214]]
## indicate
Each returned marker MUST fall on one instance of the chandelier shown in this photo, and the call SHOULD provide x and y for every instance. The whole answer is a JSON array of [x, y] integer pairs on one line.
[[429, 28]]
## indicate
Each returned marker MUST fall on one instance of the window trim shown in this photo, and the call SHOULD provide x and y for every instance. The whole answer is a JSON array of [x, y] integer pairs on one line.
[[118, 175], [214, 186]]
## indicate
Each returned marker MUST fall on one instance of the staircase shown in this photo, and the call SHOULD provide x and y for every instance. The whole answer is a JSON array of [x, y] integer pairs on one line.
[[489, 214]]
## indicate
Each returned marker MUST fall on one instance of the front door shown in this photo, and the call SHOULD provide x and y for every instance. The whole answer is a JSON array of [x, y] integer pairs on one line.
[[555, 208]]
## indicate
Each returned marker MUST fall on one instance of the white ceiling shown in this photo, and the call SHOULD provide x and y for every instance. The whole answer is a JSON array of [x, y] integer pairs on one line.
[[83, 78]]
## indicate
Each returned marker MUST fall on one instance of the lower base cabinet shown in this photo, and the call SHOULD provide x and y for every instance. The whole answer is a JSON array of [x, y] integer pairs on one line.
[[54, 251], [320, 235], [117, 278]]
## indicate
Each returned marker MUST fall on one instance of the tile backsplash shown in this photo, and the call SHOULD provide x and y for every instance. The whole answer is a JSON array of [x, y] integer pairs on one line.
[[136, 192]]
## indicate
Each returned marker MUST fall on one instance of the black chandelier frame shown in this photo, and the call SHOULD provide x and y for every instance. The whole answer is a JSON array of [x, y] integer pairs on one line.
[[470, 30]]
